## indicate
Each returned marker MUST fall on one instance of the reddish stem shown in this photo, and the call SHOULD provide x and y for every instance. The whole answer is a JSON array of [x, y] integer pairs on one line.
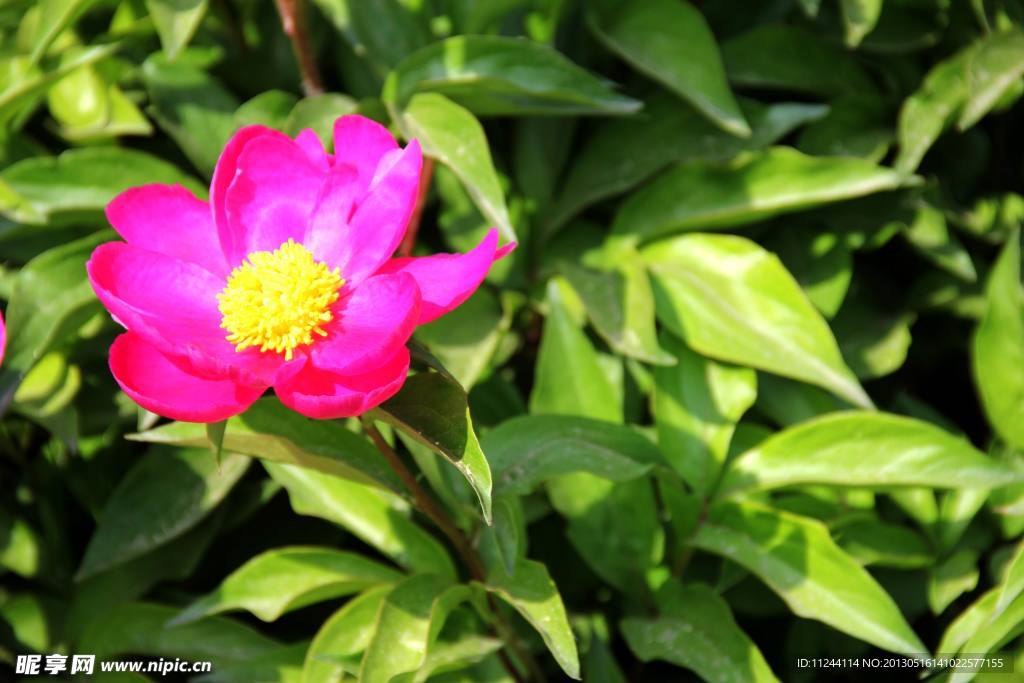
[[293, 20]]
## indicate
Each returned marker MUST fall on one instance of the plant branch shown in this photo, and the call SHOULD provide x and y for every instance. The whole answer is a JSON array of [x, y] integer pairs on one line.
[[409, 241], [293, 20], [426, 504]]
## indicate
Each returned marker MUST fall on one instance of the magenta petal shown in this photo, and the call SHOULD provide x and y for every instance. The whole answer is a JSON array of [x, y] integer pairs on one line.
[[165, 386], [168, 219], [328, 228], [310, 143], [361, 142], [378, 316], [446, 280], [224, 174], [377, 227], [327, 395], [173, 306], [3, 338], [272, 197]]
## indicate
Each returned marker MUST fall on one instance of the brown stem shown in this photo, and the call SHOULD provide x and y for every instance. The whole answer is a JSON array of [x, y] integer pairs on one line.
[[293, 19], [409, 241], [425, 503]]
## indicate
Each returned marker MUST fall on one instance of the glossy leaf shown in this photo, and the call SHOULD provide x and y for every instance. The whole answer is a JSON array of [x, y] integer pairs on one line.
[[695, 629], [697, 404], [866, 449], [527, 451], [732, 301], [50, 297], [167, 492], [434, 410], [997, 352], [796, 558], [345, 634], [784, 57], [670, 41], [622, 153], [283, 579], [142, 628], [466, 339], [270, 431], [534, 595], [860, 18], [620, 304], [495, 75], [754, 187], [376, 517], [78, 183], [568, 378], [176, 21], [408, 623], [453, 136]]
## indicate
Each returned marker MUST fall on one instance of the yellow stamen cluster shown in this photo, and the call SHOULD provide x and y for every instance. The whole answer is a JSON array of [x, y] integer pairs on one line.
[[277, 300]]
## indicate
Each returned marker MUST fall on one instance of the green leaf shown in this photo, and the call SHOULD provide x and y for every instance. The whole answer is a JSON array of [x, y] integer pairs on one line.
[[319, 112], [526, 451], [23, 83], [695, 629], [948, 580], [1000, 628], [569, 379], [408, 624], [620, 304], [51, 297], [697, 404], [731, 300], [386, 30], [621, 153], [283, 579], [613, 526], [54, 17], [929, 234], [997, 352], [434, 410], [142, 629], [822, 263], [346, 633], [865, 449], [873, 342], [270, 108], [165, 494], [860, 18], [466, 339], [670, 41], [796, 558], [176, 22], [783, 57], [1012, 585], [453, 136], [79, 183], [500, 76], [874, 542], [376, 517], [193, 108], [996, 65], [534, 595], [21, 550], [272, 432], [755, 186]]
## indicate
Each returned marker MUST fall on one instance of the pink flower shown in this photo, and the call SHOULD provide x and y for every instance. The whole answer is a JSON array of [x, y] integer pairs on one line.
[[284, 279], [3, 338]]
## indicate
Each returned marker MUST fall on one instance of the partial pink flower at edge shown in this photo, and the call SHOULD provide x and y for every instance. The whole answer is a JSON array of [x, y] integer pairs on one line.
[[3, 338], [284, 279]]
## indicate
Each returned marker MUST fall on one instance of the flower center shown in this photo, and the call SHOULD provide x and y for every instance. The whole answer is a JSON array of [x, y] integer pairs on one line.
[[277, 300]]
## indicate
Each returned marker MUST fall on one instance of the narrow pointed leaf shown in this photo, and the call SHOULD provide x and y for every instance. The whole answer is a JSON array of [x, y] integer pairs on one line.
[[284, 579]]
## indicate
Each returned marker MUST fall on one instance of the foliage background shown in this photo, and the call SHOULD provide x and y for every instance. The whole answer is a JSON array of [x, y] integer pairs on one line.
[[743, 228]]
